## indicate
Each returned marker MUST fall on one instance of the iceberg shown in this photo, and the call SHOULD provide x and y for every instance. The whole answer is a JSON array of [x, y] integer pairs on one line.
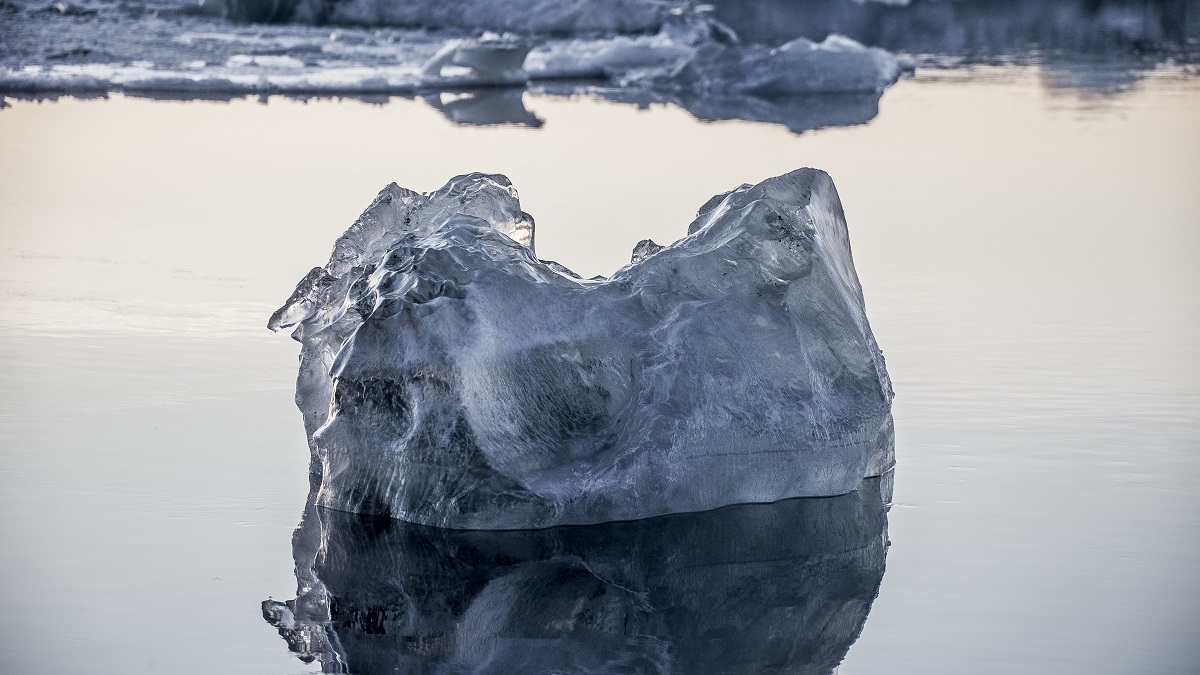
[[449, 377], [783, 587]]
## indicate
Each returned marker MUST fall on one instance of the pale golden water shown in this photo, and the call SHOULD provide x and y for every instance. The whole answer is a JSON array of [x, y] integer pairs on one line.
[[1027, 255]]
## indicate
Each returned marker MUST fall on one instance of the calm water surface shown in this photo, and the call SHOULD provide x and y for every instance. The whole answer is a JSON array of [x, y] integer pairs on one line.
[[1026, 249]]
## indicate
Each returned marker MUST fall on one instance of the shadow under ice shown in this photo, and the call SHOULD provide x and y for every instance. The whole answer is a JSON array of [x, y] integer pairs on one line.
[[744, 589]]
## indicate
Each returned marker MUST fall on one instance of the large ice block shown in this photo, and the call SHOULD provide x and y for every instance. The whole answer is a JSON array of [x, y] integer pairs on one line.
[[448, 377]]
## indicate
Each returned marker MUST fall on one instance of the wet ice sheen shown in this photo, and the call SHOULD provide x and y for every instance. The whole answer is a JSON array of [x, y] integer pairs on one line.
[[448, 377]]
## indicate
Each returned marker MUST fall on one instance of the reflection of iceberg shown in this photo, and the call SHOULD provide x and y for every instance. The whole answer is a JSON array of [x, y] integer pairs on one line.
[[485, 106], [783, 587], [448, 377], [797, 112], [1091, 78]]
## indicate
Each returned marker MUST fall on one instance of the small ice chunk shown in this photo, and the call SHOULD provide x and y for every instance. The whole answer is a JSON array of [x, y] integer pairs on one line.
[[491, 58], [836, 65], [604, 57], [614, 56], [449, 377]]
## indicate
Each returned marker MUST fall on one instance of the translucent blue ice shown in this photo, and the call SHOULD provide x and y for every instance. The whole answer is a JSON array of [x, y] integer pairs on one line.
[[448, 377]]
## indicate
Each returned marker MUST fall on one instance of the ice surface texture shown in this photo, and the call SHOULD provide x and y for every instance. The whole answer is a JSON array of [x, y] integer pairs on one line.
[[448, 377], [765, 588], [523, 16]]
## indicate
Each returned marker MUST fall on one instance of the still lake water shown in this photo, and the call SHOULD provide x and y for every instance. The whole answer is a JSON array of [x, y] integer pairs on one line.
[[1027, 252]]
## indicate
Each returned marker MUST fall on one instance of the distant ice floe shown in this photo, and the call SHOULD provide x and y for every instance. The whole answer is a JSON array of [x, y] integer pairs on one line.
[[683, 56], [634, 50], [799, 63]]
